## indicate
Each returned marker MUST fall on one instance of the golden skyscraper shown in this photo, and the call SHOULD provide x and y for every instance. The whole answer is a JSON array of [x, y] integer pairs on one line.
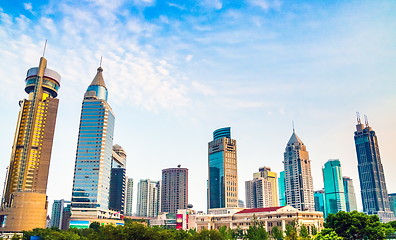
[[24, 202]]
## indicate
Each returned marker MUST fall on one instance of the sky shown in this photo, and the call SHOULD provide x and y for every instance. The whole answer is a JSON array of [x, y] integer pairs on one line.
[[177, 70]]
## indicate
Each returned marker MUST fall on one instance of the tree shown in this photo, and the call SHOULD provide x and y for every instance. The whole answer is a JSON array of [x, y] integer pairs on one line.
[[291, 232], [357, 225], [257, 233], [95, 226], [304, 234], [314, 231], [327, 234], [276, 233]]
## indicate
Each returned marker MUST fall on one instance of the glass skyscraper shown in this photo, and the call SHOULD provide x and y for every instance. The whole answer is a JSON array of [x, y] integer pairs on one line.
[[319, 197], [392, 202], [298, 177], [282, 189], [92, 172], [24, 202], [371, 173], [350, 197], [333, 187], [118, 179], [223, 177]]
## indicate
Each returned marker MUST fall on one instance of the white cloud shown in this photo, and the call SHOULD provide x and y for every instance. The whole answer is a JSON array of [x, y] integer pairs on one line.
[[28, 7], [189, 57], [216, 4], [266, 4]]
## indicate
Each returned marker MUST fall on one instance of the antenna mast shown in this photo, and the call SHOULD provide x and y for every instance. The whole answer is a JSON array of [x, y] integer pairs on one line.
[[358, 118], [45, 46]]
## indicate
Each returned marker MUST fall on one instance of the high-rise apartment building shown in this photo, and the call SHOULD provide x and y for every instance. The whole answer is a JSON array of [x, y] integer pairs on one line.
[[57, 215], [148, 198], [319, 198], [298, 177], [282, 189], [174, 189], [350, 197], [118, 179], [129, 197], [262, 190], [24, 202], [371, 173], [223, 177], [333, 187], [94, 157]]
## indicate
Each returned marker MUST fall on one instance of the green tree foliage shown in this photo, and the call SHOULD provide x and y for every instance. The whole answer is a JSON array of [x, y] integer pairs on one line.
[[257, 233], [304, 234], [327, 234], [95, 226], [276, 233], [357, 225], [291, 232]]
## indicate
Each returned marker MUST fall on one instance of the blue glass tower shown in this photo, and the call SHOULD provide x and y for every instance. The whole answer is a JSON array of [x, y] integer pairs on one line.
[[334, 187], [92, 172], [282, 189], [319, 197], [371, 173], [223, 177]]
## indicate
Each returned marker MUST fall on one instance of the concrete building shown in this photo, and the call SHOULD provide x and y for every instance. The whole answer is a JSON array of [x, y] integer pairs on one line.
[[148, 198], [58, 210], [129, 198], [269, 217], [298, 177], [350, 197], [371, 173], [223, 177], [174, 189], [24, 202], [262, 191], [94, 158], [333, 187], [118, 179]]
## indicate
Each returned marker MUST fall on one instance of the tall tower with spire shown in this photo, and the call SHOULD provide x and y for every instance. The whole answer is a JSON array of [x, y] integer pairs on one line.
[[92, 171], [371, 173], [298, 177], [24, 202]]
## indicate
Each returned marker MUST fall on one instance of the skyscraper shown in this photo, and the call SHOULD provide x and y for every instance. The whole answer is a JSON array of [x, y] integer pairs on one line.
[[262, 190], [282, 189], [129, 197], [148, 198], [392, 202], [118, 179], [333, 187], [371, 173], [319, 198], [350, 197], [174, 189], [223, 177], [92, 171], [298, 177], [24, 202], [57, 213]]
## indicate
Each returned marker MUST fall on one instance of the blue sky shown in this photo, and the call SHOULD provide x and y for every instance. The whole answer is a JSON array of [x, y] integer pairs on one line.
[[178, 70]]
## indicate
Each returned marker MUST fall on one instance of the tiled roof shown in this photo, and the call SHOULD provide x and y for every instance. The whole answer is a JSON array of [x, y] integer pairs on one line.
[[254, 210]]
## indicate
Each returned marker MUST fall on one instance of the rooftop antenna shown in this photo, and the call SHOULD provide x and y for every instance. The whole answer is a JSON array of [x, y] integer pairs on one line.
[[366, 120], [100, 65], [293, 126], [358, 118], [45, 46]]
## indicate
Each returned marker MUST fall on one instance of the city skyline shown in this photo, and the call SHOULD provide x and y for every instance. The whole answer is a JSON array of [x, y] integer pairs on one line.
[[250, 74]]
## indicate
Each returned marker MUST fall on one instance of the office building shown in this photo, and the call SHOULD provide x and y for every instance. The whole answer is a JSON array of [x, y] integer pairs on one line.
[[118, 179], [223, 177], [298, 177], [371, 173], [319, 198], [174, 189], [57, 215], [282, 189], [392, 202], [129, 197], [24, 202], [94, 158], [333, 187], [262, 190], [148, 198], [350, 197]]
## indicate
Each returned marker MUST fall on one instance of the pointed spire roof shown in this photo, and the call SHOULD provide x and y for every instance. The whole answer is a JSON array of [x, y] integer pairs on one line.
[[98, 79], [294, 139]]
